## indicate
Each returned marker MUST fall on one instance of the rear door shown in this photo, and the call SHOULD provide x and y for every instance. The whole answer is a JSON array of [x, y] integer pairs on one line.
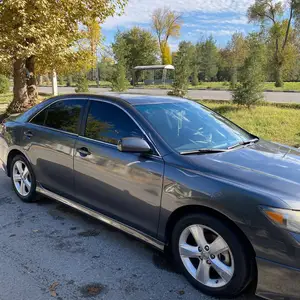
[[49, 139], [126, 186]]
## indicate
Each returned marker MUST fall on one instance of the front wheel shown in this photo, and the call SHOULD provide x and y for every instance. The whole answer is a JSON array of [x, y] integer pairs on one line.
[[211, 255], [23, 179]]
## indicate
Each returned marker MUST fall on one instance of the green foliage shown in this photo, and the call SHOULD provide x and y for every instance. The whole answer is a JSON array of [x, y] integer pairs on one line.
[[271, 16], [208, 54], [182, 69], [82, 85], [61, 80], [69, 80], [119, 81], [248, 90], [106, 69], [4, 84], [195, 79], [135, 47]]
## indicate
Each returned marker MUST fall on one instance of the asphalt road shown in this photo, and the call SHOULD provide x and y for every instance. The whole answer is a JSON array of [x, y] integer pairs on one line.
[[277, 97], [47, 248]]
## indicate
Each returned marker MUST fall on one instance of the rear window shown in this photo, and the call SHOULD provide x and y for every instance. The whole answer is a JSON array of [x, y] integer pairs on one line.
[[24, 117]]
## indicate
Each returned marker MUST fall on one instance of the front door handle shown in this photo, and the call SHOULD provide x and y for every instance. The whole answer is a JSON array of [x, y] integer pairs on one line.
[[28, 134], [83, 151]]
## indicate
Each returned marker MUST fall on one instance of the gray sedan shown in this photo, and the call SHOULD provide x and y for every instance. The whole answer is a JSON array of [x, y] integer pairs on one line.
[[222, 202]]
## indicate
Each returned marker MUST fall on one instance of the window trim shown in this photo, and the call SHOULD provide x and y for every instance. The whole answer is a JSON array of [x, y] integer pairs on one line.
[[82, 115], [82, 129]]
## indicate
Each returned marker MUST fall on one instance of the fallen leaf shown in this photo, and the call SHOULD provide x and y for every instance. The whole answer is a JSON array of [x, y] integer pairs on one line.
[[53, 293], [52, 288]]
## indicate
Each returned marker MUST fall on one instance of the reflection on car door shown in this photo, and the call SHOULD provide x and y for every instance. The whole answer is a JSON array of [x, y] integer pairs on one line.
[[49, 139], [126, 186]]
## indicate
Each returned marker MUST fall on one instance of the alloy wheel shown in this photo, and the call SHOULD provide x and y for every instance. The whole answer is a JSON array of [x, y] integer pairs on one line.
[[206, 256], [21, 178]]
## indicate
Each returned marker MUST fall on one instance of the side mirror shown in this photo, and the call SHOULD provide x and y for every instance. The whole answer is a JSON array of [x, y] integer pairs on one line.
[[134, 145]]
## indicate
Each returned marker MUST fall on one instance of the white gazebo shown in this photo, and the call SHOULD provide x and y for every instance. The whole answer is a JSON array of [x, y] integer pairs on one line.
[[153, 68]]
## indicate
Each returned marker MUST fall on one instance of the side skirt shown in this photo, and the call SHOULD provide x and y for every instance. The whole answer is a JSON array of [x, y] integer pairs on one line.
[[136, 233]]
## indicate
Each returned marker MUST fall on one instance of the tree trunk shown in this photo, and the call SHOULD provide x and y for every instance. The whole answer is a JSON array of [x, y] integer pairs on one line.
[[31, 81], [278, 76], [21, 100], [54, 83]]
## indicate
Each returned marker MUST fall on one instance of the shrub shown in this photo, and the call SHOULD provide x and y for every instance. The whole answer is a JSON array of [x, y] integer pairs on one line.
[[249, 90], [195, 80], [82, 84], [182, 70], [69, 80], [61, 80], [119, 81], [4, 84]]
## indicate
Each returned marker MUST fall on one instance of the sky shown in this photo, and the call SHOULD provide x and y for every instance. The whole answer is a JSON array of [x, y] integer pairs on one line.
[[201, 18]]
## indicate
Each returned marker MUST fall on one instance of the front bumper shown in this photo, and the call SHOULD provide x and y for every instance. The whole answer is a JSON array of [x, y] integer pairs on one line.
[[276, 281]]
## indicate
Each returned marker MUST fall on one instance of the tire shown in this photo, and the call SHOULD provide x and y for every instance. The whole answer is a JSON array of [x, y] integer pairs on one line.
[[201, 271], [25, 192]]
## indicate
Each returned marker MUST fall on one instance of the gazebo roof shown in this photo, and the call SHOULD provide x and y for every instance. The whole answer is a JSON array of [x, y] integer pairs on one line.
[[155, 67]]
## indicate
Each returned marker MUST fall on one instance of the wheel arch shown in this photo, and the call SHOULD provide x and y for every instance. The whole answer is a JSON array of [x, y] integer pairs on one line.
[[12, 153]]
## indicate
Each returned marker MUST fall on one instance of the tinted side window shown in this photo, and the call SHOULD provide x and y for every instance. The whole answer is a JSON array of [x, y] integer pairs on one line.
[[63, 115], [108, 123], [39, 119]]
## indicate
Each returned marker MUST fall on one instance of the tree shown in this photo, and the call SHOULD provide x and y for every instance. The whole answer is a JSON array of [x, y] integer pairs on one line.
[[182, 69], [94, 37], [209, 57], [119, 81], [249, 89], [270, 14], [166, 23], [135, 47], [237, 53], [33, 29], [106, 68]]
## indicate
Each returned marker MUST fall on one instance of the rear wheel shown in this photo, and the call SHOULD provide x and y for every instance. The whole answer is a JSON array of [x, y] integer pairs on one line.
[[23, 179], [211, 255]]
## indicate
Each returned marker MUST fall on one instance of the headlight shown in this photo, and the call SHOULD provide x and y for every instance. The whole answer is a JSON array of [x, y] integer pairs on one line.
[[284, 218]]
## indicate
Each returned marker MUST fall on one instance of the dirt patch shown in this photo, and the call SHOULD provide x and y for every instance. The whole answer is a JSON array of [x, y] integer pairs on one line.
[[53, 213], [6, 200], [91, 232], [92, 290]]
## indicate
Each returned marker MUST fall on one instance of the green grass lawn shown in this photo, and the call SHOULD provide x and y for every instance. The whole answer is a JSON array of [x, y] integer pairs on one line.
[[269, 122]]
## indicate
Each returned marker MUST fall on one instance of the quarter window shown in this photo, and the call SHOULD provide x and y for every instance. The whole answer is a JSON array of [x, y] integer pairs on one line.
[[108, 123], [63, 115]]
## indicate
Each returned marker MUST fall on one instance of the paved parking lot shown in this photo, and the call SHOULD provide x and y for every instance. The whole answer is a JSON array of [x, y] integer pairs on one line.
[[48, 250]]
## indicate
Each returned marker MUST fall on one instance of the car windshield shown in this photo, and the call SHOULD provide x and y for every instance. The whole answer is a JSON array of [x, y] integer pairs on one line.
[[189, 126]]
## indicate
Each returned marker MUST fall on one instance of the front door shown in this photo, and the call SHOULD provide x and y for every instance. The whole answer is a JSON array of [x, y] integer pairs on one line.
[[125, 186], [49, 140]]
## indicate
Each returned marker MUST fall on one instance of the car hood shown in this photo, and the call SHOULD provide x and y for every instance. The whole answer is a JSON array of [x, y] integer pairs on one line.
[[267, 166]]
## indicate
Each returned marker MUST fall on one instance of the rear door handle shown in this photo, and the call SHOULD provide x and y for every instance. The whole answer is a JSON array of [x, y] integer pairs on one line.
[[83, 151], [28, 134]]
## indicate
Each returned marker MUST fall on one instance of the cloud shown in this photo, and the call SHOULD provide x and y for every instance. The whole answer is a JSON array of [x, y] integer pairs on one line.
[[139, 11], [216, 33]]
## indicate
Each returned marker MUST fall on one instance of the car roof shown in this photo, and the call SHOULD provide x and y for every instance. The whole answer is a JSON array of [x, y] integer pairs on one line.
[[131, 99], [139, 99]]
